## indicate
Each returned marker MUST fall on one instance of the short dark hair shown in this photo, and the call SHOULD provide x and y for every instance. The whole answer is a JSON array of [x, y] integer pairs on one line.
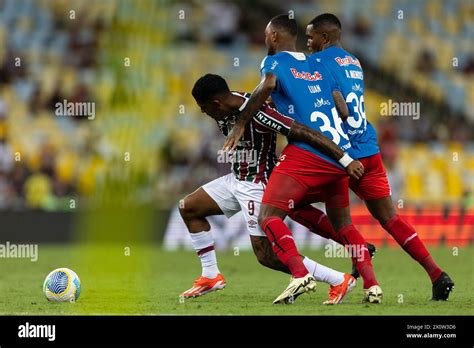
[[324, 19], [208, 86], [284, 22]]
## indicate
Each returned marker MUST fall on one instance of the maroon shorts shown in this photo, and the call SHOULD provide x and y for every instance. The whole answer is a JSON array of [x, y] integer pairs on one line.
[[374, 183], [300, 178]]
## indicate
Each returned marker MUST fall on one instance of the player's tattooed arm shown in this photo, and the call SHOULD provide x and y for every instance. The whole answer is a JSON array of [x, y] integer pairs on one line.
[[341, 105], [258, 97]]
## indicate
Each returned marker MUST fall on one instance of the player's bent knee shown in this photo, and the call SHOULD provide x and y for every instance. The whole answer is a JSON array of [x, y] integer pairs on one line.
[[382, 209], [267, 211], [262, 216], [386, 215], [260, 219]]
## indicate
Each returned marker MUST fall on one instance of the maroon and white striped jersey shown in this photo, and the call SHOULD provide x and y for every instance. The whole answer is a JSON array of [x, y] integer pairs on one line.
[[254, 158]]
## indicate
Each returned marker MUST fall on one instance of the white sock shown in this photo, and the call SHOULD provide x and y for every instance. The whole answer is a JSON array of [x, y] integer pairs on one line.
[[322, 273], [201, 241]]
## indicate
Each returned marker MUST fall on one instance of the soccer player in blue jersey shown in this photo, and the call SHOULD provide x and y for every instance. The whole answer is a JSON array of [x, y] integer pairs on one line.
[[303, 174], [324, 40], [242, 190]]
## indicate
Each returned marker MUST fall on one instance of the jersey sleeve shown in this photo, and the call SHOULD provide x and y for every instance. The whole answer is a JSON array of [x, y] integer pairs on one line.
[[269, 65], [270, 118]]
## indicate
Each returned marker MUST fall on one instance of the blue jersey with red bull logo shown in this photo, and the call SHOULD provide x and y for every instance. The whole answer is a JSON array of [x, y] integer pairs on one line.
[[345, 68], [304, 92]]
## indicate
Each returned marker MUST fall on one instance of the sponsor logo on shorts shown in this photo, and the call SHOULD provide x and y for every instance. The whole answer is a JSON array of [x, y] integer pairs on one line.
[[252, 223]]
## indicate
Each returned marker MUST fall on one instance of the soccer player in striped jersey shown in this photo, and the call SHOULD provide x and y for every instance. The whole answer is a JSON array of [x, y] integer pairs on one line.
[[324, 41], [242, 190]]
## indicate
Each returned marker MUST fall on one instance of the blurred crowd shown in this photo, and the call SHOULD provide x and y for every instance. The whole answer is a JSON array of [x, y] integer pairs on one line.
[[411, 51], [55, 50], [48, 55]]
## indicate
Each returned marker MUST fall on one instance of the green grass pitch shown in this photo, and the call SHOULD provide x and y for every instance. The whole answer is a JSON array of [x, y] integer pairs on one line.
[[148, 281]]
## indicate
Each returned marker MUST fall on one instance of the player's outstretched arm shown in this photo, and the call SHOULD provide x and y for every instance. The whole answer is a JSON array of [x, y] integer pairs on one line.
[[341, 105], [274, 120], [258, 97]]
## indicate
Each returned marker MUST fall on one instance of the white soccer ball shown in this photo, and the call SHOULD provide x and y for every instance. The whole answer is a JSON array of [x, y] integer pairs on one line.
[[62, 285]]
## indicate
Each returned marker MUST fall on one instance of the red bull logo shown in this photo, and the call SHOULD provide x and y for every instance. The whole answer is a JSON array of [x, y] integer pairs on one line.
[[347, 60], [306, 75]]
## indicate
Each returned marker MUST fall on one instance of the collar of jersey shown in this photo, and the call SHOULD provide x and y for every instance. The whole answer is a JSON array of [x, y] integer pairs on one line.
[[297, 55]]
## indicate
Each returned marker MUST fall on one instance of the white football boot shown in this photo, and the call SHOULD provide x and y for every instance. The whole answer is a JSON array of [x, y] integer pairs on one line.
[[373, 294], [297, 287]]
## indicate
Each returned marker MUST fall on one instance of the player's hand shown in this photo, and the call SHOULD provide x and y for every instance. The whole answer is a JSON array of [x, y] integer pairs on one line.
[[355, 170], [233, 137], [270, 102]]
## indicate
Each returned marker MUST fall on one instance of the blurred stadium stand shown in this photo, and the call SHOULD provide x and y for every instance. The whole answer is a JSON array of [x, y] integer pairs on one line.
[[47, 57], [147, 108], [430, 160]]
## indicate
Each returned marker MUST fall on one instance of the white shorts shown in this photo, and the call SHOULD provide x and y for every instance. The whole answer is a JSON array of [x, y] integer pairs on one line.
[[232, 196]]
